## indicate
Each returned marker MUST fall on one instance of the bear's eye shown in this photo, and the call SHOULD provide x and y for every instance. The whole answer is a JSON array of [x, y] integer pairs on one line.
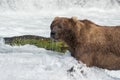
[[59, 26]]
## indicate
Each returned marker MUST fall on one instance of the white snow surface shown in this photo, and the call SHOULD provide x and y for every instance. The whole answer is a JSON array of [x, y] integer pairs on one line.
[[33, 17]]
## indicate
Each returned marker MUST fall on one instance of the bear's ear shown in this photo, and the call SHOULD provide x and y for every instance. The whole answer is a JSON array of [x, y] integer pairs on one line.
[[74, 18], [56, 18]]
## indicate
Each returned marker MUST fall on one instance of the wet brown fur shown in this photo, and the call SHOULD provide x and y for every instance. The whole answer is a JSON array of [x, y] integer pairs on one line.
[[90, 43]]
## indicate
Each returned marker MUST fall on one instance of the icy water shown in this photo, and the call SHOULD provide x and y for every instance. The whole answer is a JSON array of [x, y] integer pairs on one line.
[[33, 17]]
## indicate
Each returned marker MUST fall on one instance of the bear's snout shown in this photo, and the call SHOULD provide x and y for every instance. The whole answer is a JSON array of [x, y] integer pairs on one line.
[[52, 34]]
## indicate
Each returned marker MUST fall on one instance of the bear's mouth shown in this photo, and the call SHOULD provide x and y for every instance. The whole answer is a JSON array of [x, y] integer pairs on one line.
[[54, 38]]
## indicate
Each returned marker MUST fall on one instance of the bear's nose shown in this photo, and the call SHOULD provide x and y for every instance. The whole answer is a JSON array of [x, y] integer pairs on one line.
[[52, 33]]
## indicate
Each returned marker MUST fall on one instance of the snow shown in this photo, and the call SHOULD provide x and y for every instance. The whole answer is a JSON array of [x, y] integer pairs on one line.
[[33, 17]]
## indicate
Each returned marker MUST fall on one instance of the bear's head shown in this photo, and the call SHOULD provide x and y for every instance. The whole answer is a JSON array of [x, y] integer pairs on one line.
[[65, 29]]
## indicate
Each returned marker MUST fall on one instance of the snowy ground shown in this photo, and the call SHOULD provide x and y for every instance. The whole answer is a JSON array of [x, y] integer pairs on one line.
[[31, 63]]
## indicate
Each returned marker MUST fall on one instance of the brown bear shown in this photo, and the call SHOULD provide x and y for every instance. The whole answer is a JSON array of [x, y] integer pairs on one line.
[[88, 42]]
